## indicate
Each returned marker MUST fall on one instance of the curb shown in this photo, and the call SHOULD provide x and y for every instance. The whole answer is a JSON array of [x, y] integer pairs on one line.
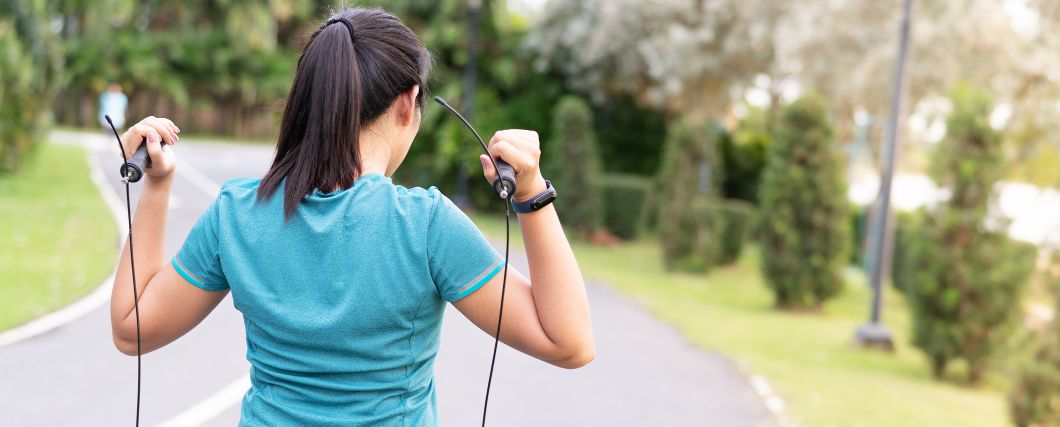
[[101, 294]]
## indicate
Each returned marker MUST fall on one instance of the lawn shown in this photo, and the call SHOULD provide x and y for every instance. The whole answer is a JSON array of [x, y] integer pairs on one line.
[[807, 358], [59, 238]]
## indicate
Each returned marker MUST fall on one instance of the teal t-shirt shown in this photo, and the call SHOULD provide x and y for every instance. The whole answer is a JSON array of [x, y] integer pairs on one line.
[[343, 302]]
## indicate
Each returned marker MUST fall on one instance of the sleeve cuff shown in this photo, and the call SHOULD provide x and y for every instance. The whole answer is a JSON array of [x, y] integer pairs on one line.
[[477, 282], [192, 278]]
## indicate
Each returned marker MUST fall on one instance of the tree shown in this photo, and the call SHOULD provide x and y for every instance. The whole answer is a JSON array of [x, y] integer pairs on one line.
[[217, 67], [29, 76], [676, 55], [963, 276], [803, 209], [1035, 397], [574, 166], [689, 180], [507, 93], [843, 48]]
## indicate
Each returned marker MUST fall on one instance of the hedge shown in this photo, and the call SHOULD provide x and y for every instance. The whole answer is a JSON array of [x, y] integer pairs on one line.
[[625, 203]]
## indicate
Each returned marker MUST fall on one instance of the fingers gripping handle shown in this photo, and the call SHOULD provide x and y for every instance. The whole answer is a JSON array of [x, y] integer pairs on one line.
[[133, 170], [504, 183]]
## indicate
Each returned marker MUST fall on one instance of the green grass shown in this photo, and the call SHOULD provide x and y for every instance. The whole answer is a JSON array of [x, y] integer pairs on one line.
[[808, 358], [58, 238]]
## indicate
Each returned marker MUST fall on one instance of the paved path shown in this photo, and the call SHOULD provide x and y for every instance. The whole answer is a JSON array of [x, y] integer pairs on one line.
[[644, 374]]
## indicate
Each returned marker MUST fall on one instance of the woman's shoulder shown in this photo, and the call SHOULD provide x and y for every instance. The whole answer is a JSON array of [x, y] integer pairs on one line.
[[430, 194], [243, 188], [431, 200], [242, 183], [238, 187]]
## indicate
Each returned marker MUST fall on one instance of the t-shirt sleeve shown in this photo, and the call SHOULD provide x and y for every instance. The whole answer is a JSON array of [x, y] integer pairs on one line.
[[458, 255], [198, 260]]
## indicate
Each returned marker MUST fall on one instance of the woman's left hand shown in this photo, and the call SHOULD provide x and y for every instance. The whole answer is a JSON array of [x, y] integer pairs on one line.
[[158, 133]]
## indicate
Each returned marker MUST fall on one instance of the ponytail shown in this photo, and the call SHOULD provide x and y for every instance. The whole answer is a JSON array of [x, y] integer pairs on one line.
[[347, 76]]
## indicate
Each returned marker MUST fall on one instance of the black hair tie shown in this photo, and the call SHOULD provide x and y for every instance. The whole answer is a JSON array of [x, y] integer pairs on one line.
[[344, 22]]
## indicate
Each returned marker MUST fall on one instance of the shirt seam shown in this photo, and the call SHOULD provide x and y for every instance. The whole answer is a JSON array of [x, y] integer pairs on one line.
[[427, 247], [412, 357]]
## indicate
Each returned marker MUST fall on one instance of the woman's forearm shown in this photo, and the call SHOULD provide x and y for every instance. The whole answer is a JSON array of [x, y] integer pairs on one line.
[[149, 227], [556, 283]]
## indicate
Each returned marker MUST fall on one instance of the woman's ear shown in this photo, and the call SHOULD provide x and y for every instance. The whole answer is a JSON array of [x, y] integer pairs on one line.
[[407, 106]]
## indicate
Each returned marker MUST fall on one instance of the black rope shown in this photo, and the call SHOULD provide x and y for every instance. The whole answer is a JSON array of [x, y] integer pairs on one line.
[[500, 312], [136, 299], [132, 266]]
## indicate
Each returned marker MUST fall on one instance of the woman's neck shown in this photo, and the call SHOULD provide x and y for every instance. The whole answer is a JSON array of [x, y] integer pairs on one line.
[[375, 153]]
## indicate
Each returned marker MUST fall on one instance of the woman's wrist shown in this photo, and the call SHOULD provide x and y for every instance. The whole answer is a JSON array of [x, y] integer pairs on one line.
[[159, 183], [527, 192]]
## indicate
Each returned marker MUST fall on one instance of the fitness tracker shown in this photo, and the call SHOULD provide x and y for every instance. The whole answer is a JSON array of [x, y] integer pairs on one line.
[[537, 202]]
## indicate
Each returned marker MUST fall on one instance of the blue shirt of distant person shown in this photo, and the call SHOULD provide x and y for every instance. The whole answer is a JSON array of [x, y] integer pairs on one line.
[[113, 103]]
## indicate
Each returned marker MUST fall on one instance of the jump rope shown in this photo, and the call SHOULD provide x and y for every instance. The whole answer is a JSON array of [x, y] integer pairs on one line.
[[132, 170]]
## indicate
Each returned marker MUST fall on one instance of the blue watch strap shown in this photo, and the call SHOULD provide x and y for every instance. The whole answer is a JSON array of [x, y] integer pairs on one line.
[[537, 202]]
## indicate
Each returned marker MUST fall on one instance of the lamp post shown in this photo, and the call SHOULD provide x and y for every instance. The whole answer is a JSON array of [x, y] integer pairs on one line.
[[467, 96], [874, 334]]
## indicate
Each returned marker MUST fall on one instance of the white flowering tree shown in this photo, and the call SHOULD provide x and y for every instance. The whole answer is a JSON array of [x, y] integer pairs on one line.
[[846, 50], [678, 55]]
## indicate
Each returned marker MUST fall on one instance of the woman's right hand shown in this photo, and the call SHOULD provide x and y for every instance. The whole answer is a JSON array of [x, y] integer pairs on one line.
[[156, 132], [521, 149]]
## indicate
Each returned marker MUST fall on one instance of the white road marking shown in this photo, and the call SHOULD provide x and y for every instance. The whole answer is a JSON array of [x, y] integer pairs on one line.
[[232, 394], [211, 407], [99, 296], [198, 179], [203, 411]]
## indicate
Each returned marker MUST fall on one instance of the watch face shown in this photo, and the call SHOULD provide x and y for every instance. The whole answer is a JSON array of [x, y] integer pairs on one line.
[[544, 200]]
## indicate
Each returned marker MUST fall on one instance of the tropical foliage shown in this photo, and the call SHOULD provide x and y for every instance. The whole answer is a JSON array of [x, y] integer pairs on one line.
[[30, 63]]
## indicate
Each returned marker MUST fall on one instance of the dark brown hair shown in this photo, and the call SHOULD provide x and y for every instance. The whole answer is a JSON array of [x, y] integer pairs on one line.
[[344, 81]]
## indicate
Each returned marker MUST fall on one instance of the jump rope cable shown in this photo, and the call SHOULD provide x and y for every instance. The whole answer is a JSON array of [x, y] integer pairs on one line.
[[501, 173], [132, 265], [500, 311]]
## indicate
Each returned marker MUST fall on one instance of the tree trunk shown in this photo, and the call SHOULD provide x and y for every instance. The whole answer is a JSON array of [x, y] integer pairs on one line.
[[938, 367]]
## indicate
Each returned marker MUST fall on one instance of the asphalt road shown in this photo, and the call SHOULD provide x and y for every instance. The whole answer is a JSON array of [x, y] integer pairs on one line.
[[645, 373]]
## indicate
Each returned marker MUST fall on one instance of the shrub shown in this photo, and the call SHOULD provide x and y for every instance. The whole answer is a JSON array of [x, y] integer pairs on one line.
[[633, 134], [744, 157], [905, 237], [625, 203], [859, 224], [1035, 397], [963, 278], [962, 285], [734, 224], [575, 166], [803, 209], [688, 178], [29, 63]]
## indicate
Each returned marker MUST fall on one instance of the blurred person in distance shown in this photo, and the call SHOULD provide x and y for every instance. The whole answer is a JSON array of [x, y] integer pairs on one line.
[[113, 102]]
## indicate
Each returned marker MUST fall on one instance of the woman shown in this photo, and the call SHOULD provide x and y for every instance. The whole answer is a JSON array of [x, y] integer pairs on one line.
[[341, 275]]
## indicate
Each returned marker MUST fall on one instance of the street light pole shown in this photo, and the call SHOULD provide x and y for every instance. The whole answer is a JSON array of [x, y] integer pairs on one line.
[[874, 334], [467, 97]]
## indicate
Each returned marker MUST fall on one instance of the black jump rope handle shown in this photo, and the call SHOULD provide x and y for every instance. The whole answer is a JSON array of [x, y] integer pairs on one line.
[[134, 168], [504, 183]]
